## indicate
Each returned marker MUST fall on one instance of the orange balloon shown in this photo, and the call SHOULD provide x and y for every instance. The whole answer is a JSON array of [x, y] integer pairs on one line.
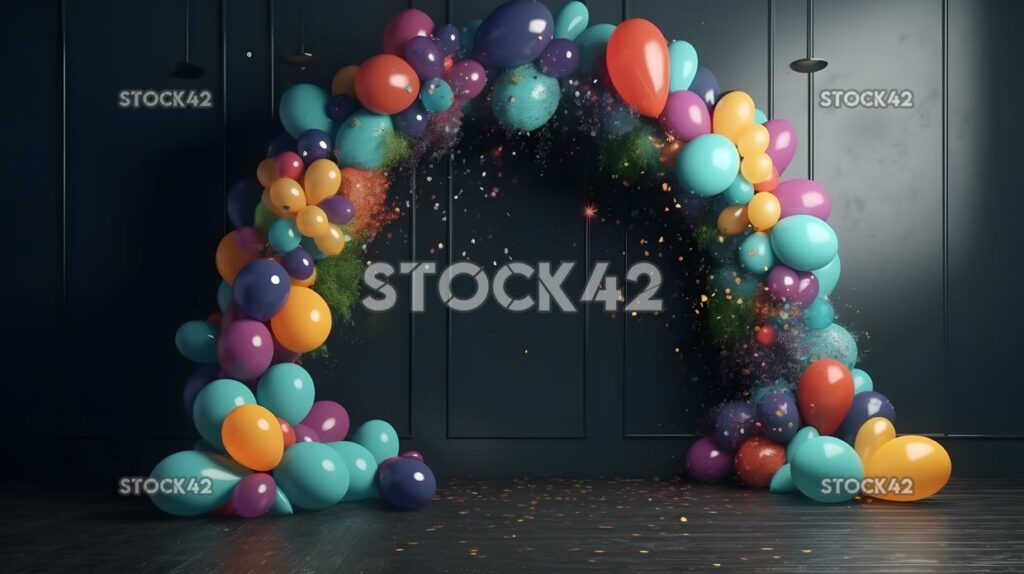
[[756, 168], [322, 180], [266, 172], [343, 81], [307, 282], [637, 58], [286, 197], [769, 184], [733, 115], [753, 141], [907, 468], [332, 242], [312, 221], [733, 220], [764, 210], [236, 250], [825, 394], [386, 84], [304, 322], [253, 437]]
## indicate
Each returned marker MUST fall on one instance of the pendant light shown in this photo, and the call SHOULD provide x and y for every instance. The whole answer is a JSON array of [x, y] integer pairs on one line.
[[301, 59]]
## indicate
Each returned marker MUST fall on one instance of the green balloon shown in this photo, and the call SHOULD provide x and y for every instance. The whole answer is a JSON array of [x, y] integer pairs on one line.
[[827, 469], [524, 98], [362, 469], [312, 475], [592, 43], [264, 218], [802, 437], [288, 391], [362, 140], [197, 341], [191, 482], [782, 480], [213, 404], [571, 20], [379, 438], [304, 107]]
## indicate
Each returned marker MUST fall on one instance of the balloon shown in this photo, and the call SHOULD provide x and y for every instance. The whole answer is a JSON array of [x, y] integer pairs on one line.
[[266, 172], [321, 181], [195, 383], [871, 436], [861, 381], [637, 59], [412, 121], [757, 461], [260, 289], [412, 454], [360, 141], [866, 405], [705, 85], [708, 165], [782, 481], [212, 405], [236, 250], [686, 118], [804, 242], [209, 480], [224, 296], [263, 218], [305, 434], [386, 84], [756, 168], [281, 143], [245, 349], [197, 341], [593, 43], [794, 287], [436, 96], [910, 460], [378, 437], [312, 221], [424, 57], [339, 209], [802, 437], [779, 416], [312, 145], [734, 423], [332, 242], [286, 197], [827, 469], [343, 82], [253, 437], [752, 140], [819, 315], [287, 432], [288, 391], [362, 469], [407, 484], [760, 117], [309, 245], [670, 153], [312, 475], [803, 196], [281, 504], [571, 20], [254, 495], [304, 322], [832, 342], [756, 253], [734, 113], [448, 40], [525, 99], [299, 263], [467, 37], [342, 106], [706, 462], [514, 34], [242, 199], [304, 107], [828, 276], [329, 420], [283, 235], [403, 27], [770, 184], [682, 59], [467, 79], [781, 143], [825, 394], [764, 211], [733, 220], [740, 191], [560, 59], [766, 335]]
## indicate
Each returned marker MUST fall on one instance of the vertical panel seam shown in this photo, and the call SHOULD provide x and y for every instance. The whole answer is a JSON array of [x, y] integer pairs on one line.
[[945, 208]]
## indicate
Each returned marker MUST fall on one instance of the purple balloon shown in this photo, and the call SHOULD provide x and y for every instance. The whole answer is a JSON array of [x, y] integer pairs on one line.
[[706, 462], [406, 483], [339, 209], [560, 58], [803, 196], [514, 34], [195, 383], [448, 39], [243, 197], [794, 287], [313, 145], [329, 420], [249, 240], [412, 121], [261, 289], [341, 107], [404, 26], [734, 423], [283, 354], [424, 56], [779, 416], [866, 405], [686, 116], [298, 263], [305, 434], [781, 143], [412, 454], [280, 144], [245, 349], [254, 495], [467, 79], [705, 85]]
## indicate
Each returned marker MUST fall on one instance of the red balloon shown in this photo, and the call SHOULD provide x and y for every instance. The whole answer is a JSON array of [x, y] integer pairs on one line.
[[386, 84], [287, 431], [289, 164], [766, 335], [757, 460], [637, 58], [825, 394]]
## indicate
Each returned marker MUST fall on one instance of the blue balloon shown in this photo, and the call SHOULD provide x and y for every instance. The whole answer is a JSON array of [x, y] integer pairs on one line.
[[802, 437], [448, 39], [682, 57], [782, 480], [803, 242], [779, 416], [224, 296], [819, 314], [312, 475], [243, 197], [756, 253], [281, 143], [514, 34], [361, 140], [362, 469], [866, 405], [592, 43], [261, 289], [708, 165], [560, 58], [283, 235], [407, 483], [861, 381], [189, 483], [195, 383], [436, 95], [412, 121], [378, 437], [832, 342], [705, 85], [571, 20], [288, 391], [827, 469], [304, 107], [341, 107], [740, 191], [213, 404], [299, 264], [197, 341], [735, 423], [312, 145], [524, 98], [759, 116], [828, 276]]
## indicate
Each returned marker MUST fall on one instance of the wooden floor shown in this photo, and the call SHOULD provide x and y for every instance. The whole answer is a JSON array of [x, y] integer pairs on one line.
[[534, 526]]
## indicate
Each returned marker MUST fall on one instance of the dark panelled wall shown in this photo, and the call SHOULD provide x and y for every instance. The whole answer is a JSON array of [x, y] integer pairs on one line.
[[112, 217]]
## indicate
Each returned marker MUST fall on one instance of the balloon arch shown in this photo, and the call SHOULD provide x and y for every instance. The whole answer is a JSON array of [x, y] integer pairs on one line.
[[267, 444]]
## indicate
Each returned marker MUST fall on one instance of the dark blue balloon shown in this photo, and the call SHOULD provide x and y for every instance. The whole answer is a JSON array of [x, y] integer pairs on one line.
[[705, 85], [514, 34], [406, 483], [260, 289], [560, 58], [411, 121], [734, 424], [243, 197], [298, 263], [313, 145], [341, 107], [195, 383], [448, 39], [779, 416], [282, 143], [866, 405], [424, 56]]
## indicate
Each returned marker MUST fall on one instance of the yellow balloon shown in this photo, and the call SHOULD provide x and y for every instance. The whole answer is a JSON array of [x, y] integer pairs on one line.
[[304, 322], [733, 115], [332, 242], [344, 81], [253, 437], [312, 221], [266, 172], [911, 461], [764, 210], [322, 180], [756, 168], [872, 435], [733, 220], [285, 197], [753, 141]]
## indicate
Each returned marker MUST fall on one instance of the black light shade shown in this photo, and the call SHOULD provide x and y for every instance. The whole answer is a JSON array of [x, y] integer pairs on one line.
[[298, 59], [808, 65], [187, 71]]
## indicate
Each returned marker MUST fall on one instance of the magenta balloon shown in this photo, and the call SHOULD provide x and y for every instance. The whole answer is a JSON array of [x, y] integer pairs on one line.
[[404, 26], [467, 79], [686, 116], [305, 434], [254, 495], [781, 143], [803, 196], [329, 420], [245, 349], [283, 354], [706, 461], [794, 287]]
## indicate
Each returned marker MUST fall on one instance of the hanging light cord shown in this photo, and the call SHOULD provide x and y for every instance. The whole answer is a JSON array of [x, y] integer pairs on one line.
[[810, 91]]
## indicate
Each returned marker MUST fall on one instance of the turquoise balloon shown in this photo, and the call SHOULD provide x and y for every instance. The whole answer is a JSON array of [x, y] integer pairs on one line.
[[759, 116], [288, 391], [802, 437], [192, 482], [803, 242], [832, 342], [309, 244], [312, 475], [224, 296], [524, 98], [362, 140], [828, 277], [213, 404], [281, 504], [592, 43], [467, 37], [740, 191], [756, 253], [283, 235], [379, 438], [708, 165], [197, 341], [682, 58], [782, 480], [861, 381], [821, 468], [571, 20], [362, 469], [304, 107], [436, 95], [819, 314]]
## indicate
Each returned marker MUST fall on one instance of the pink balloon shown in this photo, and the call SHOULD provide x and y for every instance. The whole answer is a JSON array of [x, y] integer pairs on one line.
[[685, 116], [794, 287], [405, 26], [305, 434], [244, 349], [467, 79], [803, 196], [781, 143], [329, 420]]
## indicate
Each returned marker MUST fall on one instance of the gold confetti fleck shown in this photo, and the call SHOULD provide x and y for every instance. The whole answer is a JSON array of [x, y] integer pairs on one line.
[[682, 519]]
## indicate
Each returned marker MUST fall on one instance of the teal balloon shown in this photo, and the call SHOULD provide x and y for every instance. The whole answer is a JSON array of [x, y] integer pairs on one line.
[[802, 437], [436, 95], [208, 482], [309, 244], [571, 20], [379, 438], [861, 381], [708, 165], [828, 276], [819, 314], [213, 403], [759, 116], [803, 242], [283, 235], [362, 469], [782, 480], [224, 296], [467, 37], [832, 342], [281, 504], [362, 140], [821, 468], [288, 391], [197, 341], [304, 107], [756, 253], [312, 475], [524, 98], [739, 192], [592, 43], [682, 58]]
